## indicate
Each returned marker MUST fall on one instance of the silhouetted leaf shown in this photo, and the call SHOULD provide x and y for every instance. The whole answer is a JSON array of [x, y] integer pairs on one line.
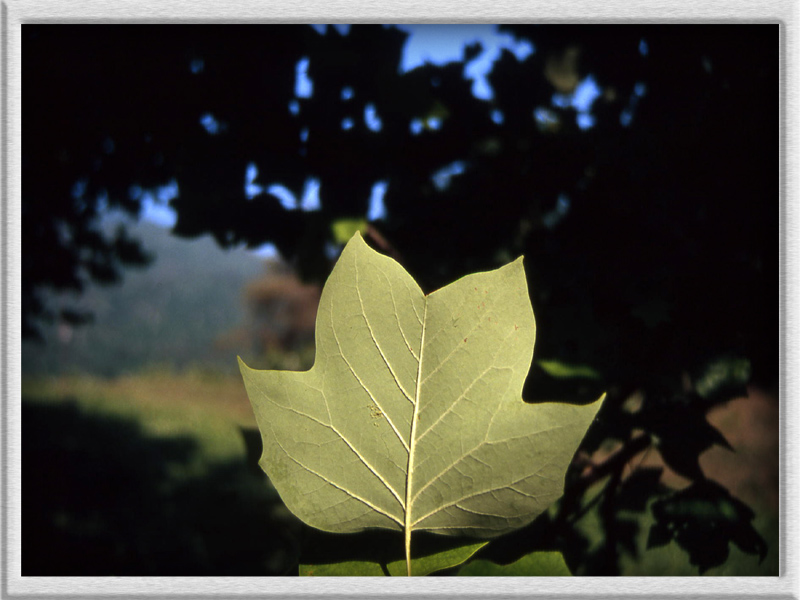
[[683, 433], [638, 488], [472, 51], [703, 519], [748, 540], [625, 532], [723, 379], [660, 535]]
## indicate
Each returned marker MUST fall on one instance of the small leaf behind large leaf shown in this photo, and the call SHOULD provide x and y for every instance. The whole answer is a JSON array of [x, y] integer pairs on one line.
[[421, 565], [703, 519], [536, 564]]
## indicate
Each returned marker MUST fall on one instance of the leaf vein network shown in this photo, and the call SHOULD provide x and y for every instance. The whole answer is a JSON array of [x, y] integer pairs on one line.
[[355, 451], [375, 341], [338, 487], [397, 318], [363, 385]]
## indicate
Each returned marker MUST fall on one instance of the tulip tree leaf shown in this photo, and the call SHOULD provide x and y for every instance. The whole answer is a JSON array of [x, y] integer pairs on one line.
[[412, 417]]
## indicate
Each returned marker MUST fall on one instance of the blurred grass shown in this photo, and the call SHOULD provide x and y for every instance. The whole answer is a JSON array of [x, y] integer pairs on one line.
[[146, 475], [190, 400]]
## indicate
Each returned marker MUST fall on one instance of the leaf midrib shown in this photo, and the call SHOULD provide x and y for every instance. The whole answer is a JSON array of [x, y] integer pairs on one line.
[[411, 443]]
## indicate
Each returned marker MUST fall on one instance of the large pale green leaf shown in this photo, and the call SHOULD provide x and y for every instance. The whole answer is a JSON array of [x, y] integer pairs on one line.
[[411, 417]]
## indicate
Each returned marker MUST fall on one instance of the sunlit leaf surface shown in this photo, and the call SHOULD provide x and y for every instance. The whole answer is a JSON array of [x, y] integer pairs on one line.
[[411, 417]]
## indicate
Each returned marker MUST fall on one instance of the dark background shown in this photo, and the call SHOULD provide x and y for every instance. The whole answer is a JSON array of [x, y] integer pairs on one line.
[[654, 278]]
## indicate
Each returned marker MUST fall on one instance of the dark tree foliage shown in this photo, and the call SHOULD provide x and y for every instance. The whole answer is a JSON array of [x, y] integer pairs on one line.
[[661, 273]]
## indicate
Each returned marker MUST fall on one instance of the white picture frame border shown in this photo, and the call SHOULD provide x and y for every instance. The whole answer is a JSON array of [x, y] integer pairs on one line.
[[16, 12]]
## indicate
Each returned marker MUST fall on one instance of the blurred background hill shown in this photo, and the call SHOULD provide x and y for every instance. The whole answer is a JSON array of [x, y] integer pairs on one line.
[[194, 306], [171, 313]]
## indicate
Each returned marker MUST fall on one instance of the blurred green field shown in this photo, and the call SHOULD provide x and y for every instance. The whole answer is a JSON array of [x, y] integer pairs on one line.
[[150, 474], [146, 475]]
